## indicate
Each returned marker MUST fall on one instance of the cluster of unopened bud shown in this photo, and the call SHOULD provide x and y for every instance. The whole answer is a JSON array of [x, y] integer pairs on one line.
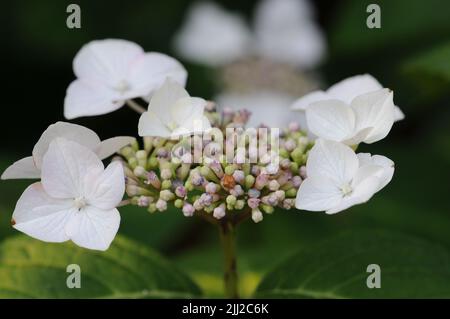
[[163, 173]]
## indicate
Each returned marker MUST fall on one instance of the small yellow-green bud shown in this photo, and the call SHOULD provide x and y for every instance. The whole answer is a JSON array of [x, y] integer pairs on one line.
[[249, 181], [151, 208], [166, 184], [291, 192], [231, 200], [178, 203], [267, 208], [152, 163], [132, 162]]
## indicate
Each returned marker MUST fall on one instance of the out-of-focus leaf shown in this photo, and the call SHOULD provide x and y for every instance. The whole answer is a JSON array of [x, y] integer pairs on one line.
[[431, 70], [434, 62], [33, 269], [404, 25], [337, 268]]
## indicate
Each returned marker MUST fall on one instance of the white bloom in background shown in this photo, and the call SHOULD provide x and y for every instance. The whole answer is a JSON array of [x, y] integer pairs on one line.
[[173, 113], [75, 200], [345, 91], [210, 35], [368, 118], [111, 71], [285, 32], [270, 108], [337, 178], [30, 167]]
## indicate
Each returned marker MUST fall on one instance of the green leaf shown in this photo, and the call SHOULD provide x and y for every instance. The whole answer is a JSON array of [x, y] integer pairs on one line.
[[405, 26], [34, 269], [430, 70], [410, 268]]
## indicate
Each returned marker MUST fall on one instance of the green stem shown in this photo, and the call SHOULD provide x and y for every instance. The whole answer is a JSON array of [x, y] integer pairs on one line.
[[227, 236]]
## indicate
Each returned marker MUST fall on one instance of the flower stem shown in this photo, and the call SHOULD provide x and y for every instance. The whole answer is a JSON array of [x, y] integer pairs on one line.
[[227, 236], [135, 106]]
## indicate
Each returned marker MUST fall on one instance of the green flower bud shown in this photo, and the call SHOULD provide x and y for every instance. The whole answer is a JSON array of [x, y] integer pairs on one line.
[[132, 162], [249, 181], [240, 203], [166, 184], [231, 200], [148, 144], [178, 203], [229, 170], [151, 208], [291, 192], [267, 208], [152, 163], [135, 145], [127, 152]]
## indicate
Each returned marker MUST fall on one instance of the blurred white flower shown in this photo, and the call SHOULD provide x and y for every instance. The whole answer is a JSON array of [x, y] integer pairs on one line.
[[286, 32], [270, 108], [368, 118], [111, 71], [345, 90], [337, 178], [30, 167], [173, 113], [210, 35], [75, 200]]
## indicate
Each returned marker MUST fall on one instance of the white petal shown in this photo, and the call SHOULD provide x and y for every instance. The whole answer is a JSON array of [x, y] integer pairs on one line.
[[151, 70], [151, 125], [87, 98], [163, 98], [105, 190], [93, 228], [185, 108], [388, 167], [213, 36], [398, 114], [333, 160], [302, 103], [374, 109], [331, 119], [40, 216], [23, 168], [192, 125], [318, 193], [358, 137], [112, 145], [365, 190], [65, 166], [346, 90], [69, 131], [106, 61], [366, 171]]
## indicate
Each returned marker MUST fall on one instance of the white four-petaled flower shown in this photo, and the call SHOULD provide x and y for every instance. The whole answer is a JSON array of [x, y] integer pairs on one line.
[[30, 167], [368, 118], [345, 91], [75, 200], [337, 178], [111, 71], [173, 113]]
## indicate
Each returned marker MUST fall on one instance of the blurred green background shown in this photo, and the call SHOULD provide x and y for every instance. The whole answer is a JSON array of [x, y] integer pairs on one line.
[[409, 54]]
